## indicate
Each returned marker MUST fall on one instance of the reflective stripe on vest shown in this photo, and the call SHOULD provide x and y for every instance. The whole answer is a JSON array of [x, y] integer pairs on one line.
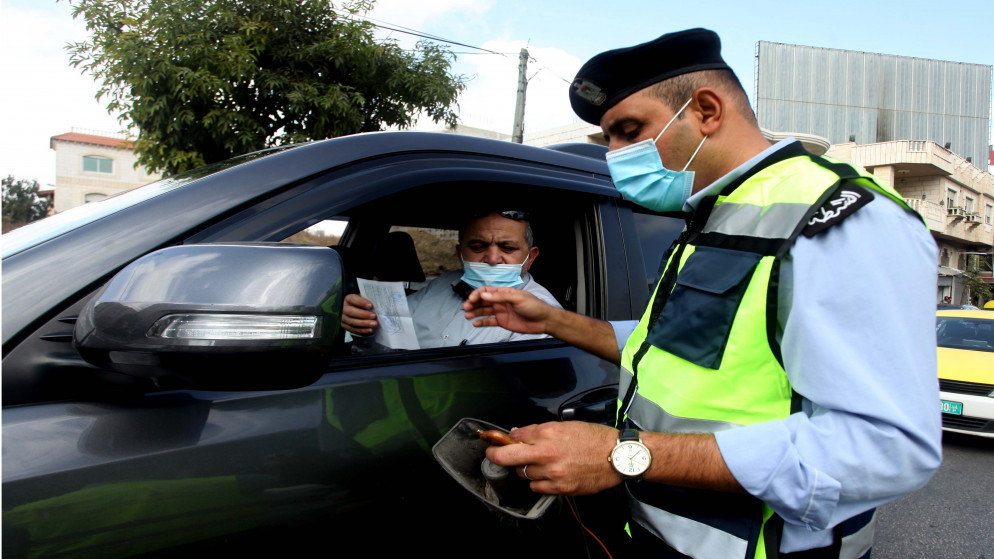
[[857, 537], [687, 535], [710, 366]]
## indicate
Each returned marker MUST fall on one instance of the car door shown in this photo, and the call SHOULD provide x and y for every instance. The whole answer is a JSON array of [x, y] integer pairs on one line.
[[344, 460]]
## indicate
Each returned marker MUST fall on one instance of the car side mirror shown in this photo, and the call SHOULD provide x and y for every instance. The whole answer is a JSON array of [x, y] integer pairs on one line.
[[224, 316]]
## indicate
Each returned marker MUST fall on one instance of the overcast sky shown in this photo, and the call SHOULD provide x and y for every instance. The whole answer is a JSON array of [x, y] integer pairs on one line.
[[42, 96]]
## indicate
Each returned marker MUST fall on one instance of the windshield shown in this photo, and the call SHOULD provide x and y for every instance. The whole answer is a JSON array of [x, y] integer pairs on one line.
[[46, 229], [965, 333]]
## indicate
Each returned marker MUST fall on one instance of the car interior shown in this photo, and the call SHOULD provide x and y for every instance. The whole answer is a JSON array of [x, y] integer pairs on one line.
[[378, 242], [410, 236], [965, 333]]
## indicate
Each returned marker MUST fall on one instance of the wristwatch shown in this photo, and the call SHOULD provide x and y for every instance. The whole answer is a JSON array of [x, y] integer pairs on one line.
[[630, 457]]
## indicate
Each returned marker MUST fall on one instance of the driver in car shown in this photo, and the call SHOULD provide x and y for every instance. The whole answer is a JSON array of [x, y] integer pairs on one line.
[[496, 250]]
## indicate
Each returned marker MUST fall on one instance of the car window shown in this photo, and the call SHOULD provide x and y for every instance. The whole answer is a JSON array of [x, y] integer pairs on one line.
[[407, 237], [327, 232], [965, 333], [656, 234], [435, 248]]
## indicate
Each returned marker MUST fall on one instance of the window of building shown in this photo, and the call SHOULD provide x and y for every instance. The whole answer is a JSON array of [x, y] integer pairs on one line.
[[968, 205], [989, 214], [950, 198], [97, 164]]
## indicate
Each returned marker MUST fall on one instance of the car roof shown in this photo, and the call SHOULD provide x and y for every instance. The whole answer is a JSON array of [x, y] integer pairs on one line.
[[966, 313]]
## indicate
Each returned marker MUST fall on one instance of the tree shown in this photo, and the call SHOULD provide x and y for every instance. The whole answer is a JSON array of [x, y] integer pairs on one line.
[[204, 80], [21, 203], [979, 291]]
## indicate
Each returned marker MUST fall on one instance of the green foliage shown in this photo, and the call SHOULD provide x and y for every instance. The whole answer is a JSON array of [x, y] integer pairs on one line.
[[980, 291], [21, 203], [204, 80]]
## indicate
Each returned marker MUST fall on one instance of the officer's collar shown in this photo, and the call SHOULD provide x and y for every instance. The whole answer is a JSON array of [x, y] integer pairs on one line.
[[780, 151]]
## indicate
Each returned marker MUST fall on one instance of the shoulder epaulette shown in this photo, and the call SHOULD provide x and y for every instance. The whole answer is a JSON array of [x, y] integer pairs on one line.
[[847, 198]]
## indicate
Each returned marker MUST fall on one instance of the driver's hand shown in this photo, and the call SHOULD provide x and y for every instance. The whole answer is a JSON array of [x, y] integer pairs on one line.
[[358, 316]]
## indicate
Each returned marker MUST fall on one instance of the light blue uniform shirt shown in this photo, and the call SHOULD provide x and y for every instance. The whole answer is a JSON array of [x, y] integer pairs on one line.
[[857, 319], [440, 321]]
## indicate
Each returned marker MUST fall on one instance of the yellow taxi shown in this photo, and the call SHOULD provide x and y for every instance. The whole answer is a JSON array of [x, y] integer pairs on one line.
[[966, 370]]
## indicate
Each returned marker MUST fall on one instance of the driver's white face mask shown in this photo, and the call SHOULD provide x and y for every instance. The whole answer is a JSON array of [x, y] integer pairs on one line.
[[479, 274]]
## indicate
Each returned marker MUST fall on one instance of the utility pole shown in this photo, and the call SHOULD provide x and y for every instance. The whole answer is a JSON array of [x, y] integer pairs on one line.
[[518, 134]]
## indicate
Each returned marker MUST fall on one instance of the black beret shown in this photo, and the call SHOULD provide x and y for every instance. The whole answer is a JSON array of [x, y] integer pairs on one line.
[[611, 76]]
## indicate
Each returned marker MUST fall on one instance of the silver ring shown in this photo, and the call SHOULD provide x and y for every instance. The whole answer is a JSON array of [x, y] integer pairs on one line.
[[524, 472]]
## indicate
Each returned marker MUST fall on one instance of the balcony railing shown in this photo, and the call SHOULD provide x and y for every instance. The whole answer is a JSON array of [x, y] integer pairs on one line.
[[931, 211]]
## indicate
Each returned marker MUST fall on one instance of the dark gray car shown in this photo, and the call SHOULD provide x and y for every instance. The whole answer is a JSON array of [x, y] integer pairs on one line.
[[124, 434]]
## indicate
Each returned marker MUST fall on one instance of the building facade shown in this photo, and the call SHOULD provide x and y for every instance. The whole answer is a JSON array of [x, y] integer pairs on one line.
[[955, 198], [867, 98], [90, 166]]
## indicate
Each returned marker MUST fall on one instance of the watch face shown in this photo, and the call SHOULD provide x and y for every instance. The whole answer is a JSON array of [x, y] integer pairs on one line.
[[631, 458]]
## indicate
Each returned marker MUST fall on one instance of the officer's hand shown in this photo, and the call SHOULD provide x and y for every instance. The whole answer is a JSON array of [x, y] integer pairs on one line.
[[563, 458], [357, 315], [509, 308]]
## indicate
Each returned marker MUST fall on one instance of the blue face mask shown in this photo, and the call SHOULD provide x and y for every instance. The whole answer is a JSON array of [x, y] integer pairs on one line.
[[479, 274], [639, 175]]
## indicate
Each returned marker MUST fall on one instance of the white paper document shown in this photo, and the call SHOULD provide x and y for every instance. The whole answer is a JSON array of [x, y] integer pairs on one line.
[[396, 329]]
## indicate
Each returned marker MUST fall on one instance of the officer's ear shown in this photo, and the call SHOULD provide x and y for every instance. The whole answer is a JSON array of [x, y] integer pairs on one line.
[[708, 106]]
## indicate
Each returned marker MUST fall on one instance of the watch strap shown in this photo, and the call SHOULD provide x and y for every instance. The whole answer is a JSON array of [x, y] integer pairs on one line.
[[628, 435]]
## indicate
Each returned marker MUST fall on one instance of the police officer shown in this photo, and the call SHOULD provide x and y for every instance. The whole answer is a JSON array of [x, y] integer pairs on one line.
[[781, 383]]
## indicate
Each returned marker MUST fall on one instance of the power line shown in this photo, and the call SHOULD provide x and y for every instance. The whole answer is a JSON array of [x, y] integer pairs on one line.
[[544, 67], [505, 54], [416, 33], [436, 38]]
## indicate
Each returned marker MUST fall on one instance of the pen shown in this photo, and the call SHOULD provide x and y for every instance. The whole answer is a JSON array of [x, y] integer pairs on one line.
[[496, 437]]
